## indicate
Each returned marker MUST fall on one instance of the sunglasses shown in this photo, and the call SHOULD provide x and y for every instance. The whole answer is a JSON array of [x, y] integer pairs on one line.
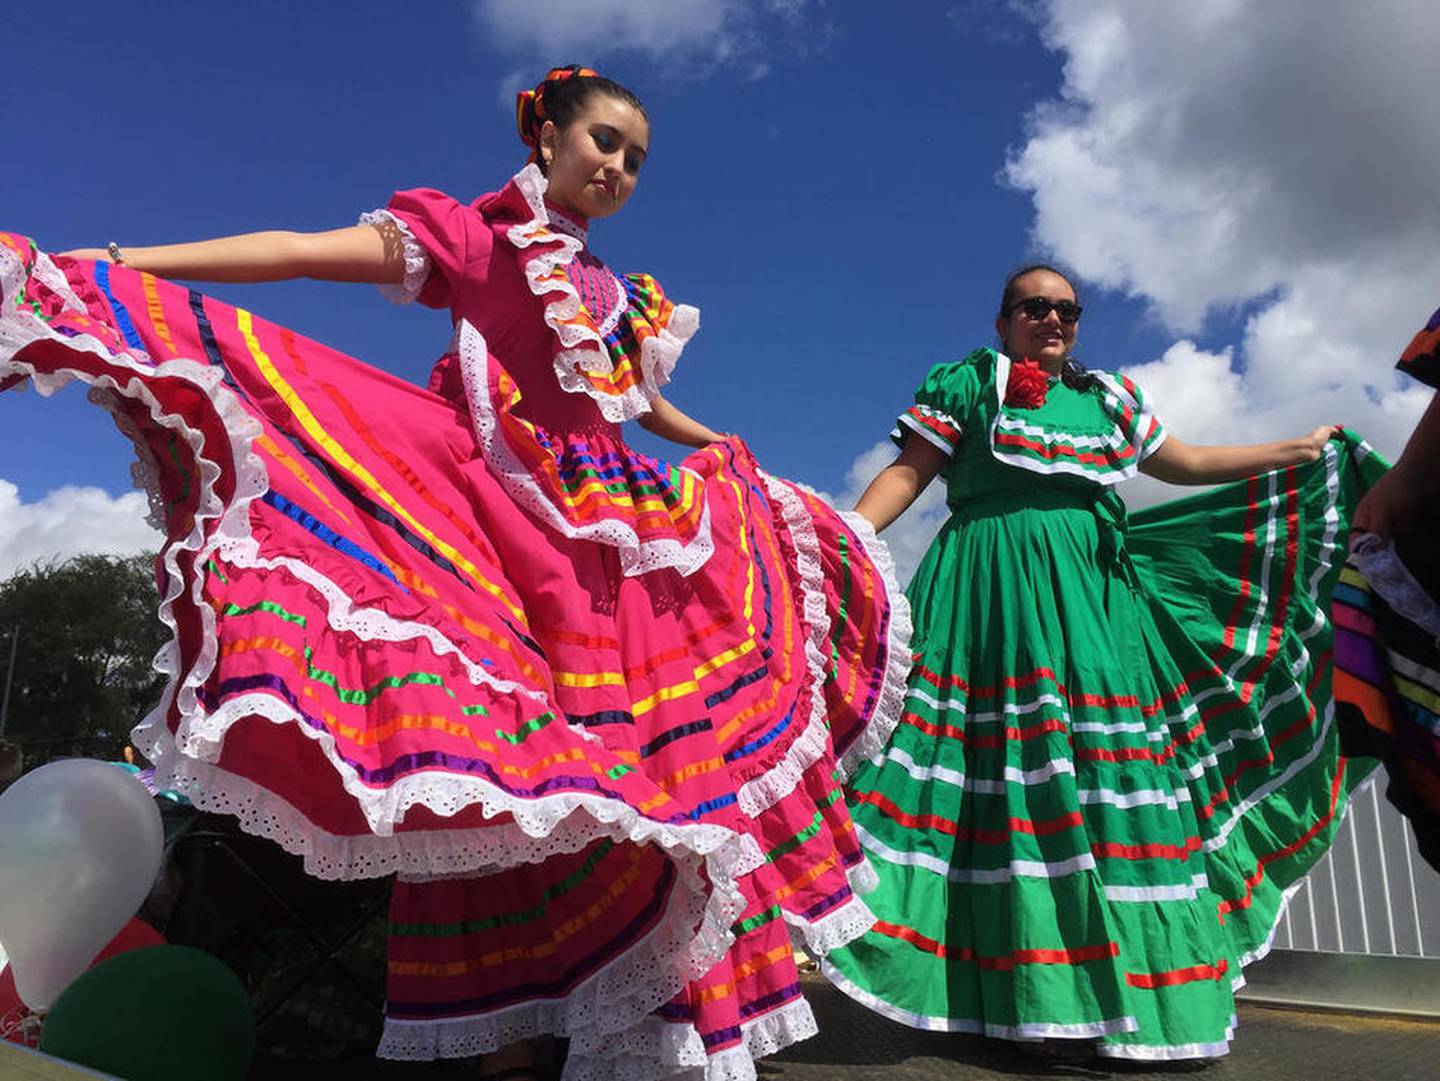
[[1038, 308]]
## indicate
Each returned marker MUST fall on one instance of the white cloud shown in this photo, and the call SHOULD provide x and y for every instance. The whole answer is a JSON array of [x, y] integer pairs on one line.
[[693, 37], [70, 521], [1259, 153], [591, 27], [1273, 154], [1201, 153]]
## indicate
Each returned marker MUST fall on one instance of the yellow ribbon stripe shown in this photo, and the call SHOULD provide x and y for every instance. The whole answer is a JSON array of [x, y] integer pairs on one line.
[[695, 769], [665, 694], [749, 608], [716, 663], [342, 457], [156, 311], [749, 968], [589, 679], [520, 953]]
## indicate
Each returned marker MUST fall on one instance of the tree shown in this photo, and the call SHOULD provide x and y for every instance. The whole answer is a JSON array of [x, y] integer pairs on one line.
[[83, 674]]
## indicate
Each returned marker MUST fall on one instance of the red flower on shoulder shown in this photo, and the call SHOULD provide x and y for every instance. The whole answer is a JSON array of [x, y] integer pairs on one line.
[[1027, 386]]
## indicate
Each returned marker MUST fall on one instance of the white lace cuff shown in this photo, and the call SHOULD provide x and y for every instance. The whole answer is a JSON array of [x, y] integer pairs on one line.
[[417, 260]]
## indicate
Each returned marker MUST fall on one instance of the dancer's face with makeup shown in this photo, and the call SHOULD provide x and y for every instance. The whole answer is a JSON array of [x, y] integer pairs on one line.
[[594, 161]]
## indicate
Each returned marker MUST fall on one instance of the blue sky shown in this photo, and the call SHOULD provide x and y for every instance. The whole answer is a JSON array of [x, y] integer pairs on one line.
[[838, 221], [839, 188]]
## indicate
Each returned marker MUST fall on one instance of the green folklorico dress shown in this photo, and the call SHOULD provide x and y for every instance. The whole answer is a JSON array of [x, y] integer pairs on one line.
[[1118, 752]]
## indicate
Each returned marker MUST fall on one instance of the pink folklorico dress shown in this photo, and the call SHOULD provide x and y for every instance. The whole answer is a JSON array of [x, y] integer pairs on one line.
[[592, 709]]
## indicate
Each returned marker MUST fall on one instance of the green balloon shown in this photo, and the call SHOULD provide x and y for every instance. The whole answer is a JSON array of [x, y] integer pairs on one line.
[[162, 1013]]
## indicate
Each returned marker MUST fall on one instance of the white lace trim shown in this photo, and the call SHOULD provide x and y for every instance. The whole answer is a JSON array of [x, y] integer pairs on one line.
[[636, 556], [145, 470], [618, 997], [760, 793], [581, 348], [50, 276], [863, 878], [185, 760], [895, 682], [659, 1049], [695, 932], [417, 260], [540, 828], [1113, 442], [835, 929], [655, 1048], [651, 1048], [557, 219], [614, 1000], [780, 780], [1392, 581]]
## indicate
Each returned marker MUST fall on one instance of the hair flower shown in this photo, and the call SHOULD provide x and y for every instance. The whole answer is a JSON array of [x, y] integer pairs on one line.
[[1027, 386]]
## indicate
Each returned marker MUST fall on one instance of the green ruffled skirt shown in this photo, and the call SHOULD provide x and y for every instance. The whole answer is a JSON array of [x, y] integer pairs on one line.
[[1117, 758]]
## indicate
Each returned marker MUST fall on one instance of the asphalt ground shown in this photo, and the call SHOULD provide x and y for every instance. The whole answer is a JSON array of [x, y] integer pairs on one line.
[[855, 1044]]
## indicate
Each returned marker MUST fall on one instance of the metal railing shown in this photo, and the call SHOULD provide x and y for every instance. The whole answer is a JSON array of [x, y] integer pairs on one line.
[[1372, 894]]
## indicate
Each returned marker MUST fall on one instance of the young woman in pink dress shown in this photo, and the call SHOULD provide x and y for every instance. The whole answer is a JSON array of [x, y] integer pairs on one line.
[[591, 708]]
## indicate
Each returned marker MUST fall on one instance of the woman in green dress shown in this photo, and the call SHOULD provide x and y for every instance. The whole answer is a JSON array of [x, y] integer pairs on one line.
[[1117, 754]]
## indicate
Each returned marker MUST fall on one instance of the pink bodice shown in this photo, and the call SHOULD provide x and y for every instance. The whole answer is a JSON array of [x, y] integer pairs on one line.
[[552, 350], [584, 347]]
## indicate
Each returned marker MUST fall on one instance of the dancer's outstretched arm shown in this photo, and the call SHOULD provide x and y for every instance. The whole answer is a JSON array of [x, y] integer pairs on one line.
[[675, 425], [358, 253], [1176, 462], [900, 483]]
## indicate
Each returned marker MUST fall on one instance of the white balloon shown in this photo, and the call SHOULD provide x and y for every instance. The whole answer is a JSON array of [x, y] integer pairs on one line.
[[80, 846]]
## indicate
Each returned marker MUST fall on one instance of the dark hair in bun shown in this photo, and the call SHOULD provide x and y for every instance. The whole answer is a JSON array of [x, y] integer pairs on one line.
[[560, 97]]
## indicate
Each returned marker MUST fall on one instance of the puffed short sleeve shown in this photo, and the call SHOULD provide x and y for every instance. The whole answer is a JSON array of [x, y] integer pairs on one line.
[[441, 237], [943, 404], [1130, 408], [1143, 427]]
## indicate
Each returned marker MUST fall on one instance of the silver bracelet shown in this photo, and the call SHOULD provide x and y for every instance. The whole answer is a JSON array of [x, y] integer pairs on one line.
[[113, 250]]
